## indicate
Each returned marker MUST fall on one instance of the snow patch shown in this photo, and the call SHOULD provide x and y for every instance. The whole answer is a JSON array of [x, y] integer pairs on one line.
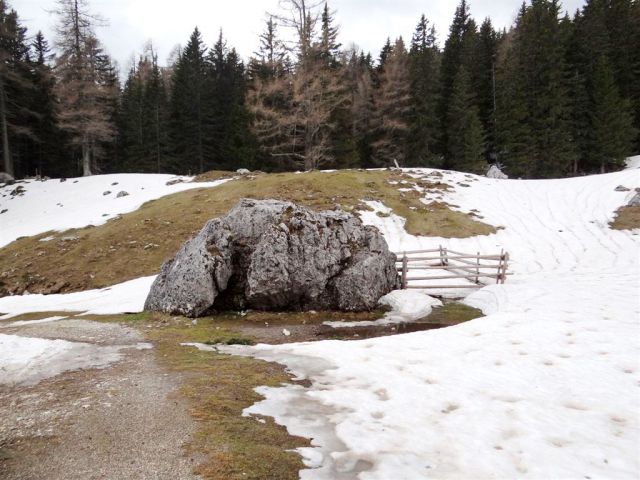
[[26, 361], [127, 297], [79, 202]]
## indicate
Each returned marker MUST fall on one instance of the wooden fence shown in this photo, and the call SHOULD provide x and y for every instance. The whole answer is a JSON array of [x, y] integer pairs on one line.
[[477, 268]]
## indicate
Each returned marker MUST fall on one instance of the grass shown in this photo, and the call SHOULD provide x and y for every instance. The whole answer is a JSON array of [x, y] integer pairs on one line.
[[219, 387], [453, 313], [627, 218], [136, 244]]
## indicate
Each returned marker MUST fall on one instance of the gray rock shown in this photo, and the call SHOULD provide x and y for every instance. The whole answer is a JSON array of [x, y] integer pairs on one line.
[[495, 172], [6, 178], [175, 181], [243, 171], [621, 188], [635, 201], [122, 194], [272, 255], [107, 192]]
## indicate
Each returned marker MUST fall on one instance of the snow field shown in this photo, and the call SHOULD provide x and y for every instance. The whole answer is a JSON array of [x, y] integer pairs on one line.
[[78, 202], [547, 385]]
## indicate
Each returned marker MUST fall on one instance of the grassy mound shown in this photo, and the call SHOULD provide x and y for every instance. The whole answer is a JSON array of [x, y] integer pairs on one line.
[[136, 244], [627, 218]]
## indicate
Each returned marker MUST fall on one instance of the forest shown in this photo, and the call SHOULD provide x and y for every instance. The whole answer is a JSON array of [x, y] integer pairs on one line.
[[554, 95]]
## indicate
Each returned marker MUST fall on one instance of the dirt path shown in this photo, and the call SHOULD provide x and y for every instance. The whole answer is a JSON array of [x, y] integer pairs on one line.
[[123, 421]]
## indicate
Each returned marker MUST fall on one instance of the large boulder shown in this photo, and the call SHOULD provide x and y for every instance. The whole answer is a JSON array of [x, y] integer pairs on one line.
[[273, 255]]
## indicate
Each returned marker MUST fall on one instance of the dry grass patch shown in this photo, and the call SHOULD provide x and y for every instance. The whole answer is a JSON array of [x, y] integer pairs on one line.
[[136, 244], [627, 218]]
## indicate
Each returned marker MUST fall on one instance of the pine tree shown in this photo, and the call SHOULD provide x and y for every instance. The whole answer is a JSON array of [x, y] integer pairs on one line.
[[611, 121], [466, 140], [424, 70], [392, 109]]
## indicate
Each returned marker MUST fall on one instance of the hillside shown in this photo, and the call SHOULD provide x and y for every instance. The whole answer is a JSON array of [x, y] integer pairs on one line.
[[545, 385]]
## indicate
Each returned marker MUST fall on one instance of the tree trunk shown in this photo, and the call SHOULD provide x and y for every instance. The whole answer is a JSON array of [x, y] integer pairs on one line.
[[6, 152], [86, 158]]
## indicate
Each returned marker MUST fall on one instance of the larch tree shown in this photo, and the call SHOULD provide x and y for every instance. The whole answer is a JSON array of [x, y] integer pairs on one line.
[[293, 114], [85, 86]]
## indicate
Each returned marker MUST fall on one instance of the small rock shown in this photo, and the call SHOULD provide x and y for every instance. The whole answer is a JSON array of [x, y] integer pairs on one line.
[[243, 171], [635, 201], [122, 194], [62, 180], [18, 191], [621, 188], [174, 182], [3, 211], [286, 332], [108, 192], [114, 184]]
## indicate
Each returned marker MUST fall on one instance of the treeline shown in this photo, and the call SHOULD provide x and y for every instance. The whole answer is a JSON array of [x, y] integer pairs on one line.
[[553, 96]]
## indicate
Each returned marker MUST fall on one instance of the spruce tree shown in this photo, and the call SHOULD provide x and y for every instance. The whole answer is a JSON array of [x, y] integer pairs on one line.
[[15, 86], [188, 110], [47, 155], [424, 69], [466, 140], [611, 121], [458, 51]]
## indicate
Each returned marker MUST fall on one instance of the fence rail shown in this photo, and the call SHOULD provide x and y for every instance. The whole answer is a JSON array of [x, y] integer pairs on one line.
[[454, 265]]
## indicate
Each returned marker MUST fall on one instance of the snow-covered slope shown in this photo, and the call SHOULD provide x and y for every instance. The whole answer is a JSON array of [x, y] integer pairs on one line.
[[78, 202], [547, 385]]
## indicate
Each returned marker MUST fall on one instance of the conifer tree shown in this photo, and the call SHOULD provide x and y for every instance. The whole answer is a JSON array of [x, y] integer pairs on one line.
[[188, 110], [15, 86], [424, 70], [611, 121], [458, 51], [270, 60], [85, 85], [47, 154], [392, 109], [228, 135], [466, 140]]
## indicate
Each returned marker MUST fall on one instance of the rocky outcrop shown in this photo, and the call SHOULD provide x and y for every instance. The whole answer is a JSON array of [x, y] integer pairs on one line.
[[273, 255]]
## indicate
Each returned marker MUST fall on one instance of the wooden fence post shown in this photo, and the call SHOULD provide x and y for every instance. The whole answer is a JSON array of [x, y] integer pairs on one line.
[[405, 263], [504, 267]]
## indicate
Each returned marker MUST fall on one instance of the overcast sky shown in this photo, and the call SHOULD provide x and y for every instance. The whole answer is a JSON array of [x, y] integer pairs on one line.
[[168, 23]]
